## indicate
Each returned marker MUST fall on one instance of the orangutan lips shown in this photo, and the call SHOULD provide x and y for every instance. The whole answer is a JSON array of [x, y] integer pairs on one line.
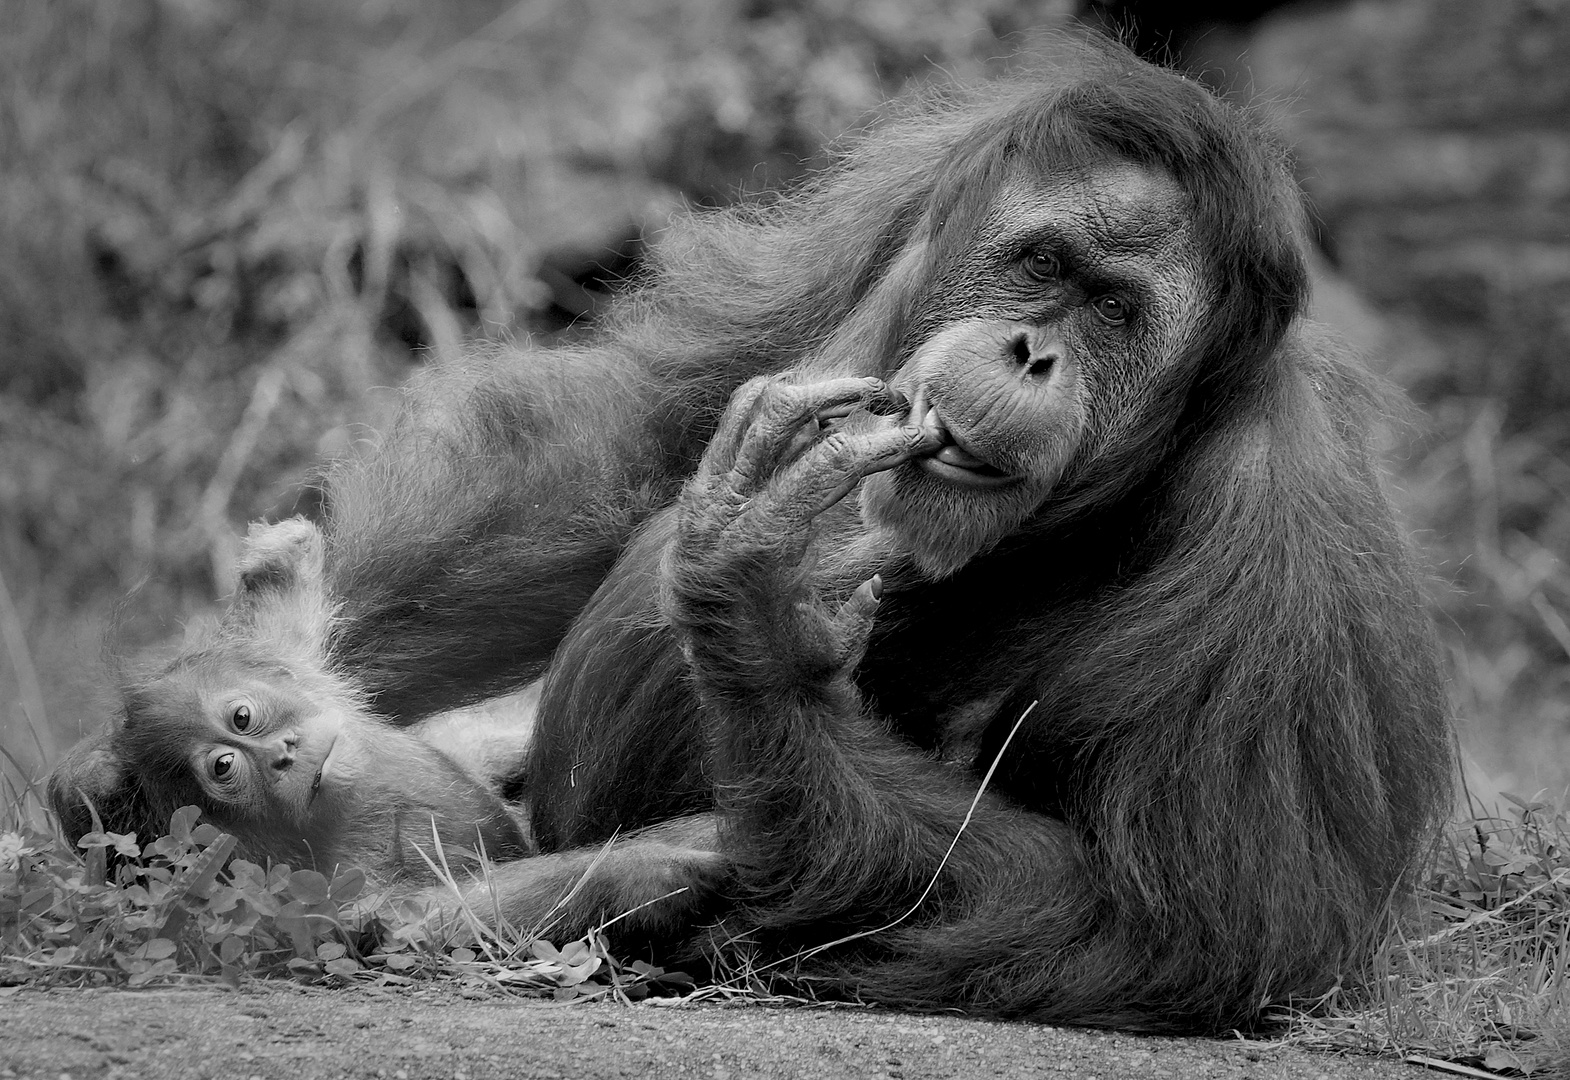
[[949, 451]]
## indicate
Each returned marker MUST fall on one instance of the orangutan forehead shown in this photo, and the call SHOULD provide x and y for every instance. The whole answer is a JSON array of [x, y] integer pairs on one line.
[[1114, 207], [183, 693], [230, 662]]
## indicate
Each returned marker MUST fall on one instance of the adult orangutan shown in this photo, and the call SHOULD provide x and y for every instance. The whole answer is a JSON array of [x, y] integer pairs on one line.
[[1004, 441]]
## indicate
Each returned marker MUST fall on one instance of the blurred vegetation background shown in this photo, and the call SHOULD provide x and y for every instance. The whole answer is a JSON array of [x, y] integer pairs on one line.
[[229, 229]]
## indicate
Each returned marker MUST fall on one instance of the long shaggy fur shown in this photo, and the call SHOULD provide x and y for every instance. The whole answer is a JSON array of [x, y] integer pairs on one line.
[[1236, 738], [467, 541]]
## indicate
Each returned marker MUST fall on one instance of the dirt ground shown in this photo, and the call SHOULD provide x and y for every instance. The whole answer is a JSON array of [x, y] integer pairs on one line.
[[304, 1034]]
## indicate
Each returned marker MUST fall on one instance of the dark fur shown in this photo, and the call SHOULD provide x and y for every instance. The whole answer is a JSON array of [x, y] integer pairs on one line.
[[1239, 739], [507, 495]]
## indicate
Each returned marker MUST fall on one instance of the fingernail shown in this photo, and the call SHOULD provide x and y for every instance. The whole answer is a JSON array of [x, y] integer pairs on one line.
[[888, 402]]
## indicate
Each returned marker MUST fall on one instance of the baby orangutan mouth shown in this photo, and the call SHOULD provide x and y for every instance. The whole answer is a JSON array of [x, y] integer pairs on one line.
[[321, 770]]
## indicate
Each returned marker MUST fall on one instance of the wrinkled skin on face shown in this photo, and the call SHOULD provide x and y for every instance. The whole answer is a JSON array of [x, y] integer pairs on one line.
[[1082, 292]]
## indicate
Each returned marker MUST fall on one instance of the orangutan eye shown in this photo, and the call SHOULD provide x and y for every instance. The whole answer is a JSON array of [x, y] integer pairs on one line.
[[223, 766], [1112, 309], [240, 719], [1041, 266]]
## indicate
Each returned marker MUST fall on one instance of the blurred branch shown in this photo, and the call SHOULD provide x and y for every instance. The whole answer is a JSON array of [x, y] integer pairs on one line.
[[474, 50], [1478, 446], [251, 196], [445, 331], [213, 511], [1553, 622]]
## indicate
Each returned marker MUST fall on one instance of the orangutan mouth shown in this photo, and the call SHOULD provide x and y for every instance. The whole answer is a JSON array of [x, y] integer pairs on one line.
[[952, 461]]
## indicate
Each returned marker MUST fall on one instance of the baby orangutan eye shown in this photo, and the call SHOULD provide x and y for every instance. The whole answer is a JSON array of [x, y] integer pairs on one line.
[[240, 719], [224, 765]]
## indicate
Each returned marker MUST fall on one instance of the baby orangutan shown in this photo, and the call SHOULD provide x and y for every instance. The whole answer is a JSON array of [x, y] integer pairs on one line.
[[257, 728]]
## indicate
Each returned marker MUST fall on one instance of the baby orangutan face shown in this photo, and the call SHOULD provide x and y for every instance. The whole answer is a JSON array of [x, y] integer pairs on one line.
[[254, 748], [258, 750]]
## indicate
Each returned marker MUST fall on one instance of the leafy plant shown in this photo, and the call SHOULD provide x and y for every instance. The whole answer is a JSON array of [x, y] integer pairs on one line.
[[1478, 973], [127, 914]]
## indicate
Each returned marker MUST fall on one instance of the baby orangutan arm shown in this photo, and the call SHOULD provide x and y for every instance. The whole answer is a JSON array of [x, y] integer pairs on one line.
[[650, 886]]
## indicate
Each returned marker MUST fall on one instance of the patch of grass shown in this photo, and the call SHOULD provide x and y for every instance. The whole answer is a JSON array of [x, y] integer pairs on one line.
[[1479, 972], [118, 912]]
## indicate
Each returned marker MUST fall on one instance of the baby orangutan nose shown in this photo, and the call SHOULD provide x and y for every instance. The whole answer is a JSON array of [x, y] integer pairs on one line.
[[284, 755]]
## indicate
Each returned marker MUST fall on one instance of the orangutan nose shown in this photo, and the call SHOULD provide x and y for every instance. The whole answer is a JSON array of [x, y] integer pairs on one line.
[[1036, 350]]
